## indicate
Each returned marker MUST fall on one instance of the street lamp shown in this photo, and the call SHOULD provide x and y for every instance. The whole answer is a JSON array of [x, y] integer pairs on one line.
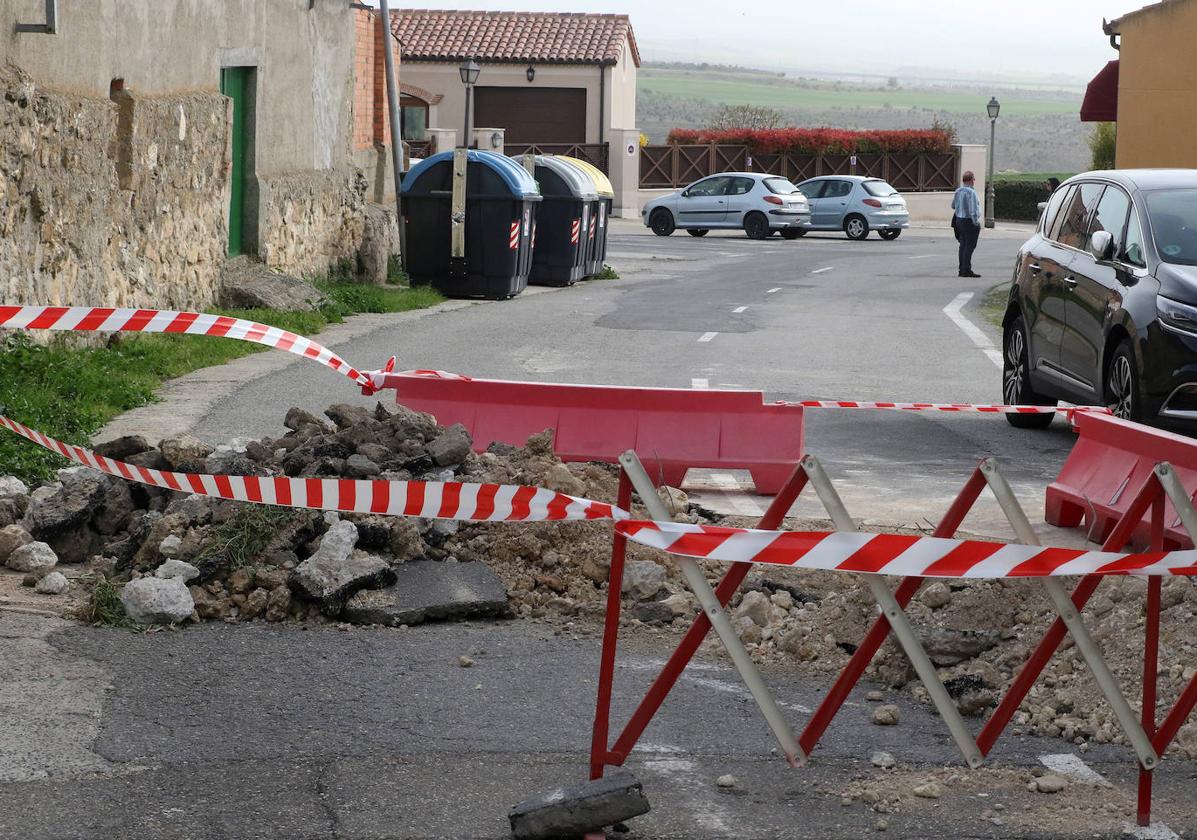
[[469, 75], [994, 108]]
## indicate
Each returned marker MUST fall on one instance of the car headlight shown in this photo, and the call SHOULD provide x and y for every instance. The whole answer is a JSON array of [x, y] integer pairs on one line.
[[1179, 316]]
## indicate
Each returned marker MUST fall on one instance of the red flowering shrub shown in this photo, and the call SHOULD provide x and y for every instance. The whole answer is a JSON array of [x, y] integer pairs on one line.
[[818, 141]]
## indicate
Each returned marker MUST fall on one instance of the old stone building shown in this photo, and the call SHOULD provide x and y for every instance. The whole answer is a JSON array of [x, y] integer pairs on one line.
[[143, 142]]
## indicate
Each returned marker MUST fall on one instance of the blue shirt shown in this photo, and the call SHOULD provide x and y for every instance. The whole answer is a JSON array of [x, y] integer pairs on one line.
[[967, 205]]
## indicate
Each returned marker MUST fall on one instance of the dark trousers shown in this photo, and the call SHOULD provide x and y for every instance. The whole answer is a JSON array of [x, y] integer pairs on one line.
[[967, 233]]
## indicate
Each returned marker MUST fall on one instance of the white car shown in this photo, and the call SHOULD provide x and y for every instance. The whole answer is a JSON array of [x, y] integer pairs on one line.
[[759, 204], [856, 205]]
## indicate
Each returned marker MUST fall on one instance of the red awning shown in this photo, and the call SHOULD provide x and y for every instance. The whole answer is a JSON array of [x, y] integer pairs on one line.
[[1101, 97]]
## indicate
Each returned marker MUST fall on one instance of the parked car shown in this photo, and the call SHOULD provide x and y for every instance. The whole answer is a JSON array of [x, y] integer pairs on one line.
[[1103, 307], [760, 204], [855, 205]]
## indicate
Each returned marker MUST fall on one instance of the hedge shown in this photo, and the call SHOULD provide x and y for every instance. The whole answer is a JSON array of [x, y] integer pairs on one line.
[[1018, 201], [818, 141]]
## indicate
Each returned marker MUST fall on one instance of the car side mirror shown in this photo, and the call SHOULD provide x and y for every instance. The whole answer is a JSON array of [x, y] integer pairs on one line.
[[1101, 245], [685, 193]]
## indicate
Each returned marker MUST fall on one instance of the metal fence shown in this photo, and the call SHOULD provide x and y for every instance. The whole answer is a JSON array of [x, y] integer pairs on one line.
[[596, 154], [676, 166]]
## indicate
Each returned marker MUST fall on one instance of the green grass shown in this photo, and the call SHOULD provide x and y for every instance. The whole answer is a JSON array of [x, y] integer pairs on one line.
[[106, 609], [243, 538], [70, 392], [993, 307], [777, 93], [608, 273]]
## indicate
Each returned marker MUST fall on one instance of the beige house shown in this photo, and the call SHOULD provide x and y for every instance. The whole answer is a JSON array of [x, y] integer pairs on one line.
[[563, 83], [1151, 90]]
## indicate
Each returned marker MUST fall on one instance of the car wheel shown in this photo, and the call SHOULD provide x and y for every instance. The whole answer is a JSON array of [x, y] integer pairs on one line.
[[890, 235], [856, 227], [1122, 385], [793, 233], [697, 231], [662, 223], [1016, 379], [757, 226]]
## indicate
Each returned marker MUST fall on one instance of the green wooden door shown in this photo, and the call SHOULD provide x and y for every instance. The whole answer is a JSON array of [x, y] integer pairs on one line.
[[234, 83]]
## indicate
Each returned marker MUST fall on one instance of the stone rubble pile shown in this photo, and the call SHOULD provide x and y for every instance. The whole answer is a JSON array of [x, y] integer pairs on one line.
[[182, 557]]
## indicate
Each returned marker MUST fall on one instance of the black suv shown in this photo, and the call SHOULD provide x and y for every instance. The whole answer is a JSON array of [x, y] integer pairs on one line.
[[1103, 308]]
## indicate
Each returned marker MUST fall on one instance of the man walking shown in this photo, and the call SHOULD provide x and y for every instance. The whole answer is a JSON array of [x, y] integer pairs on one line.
[[967, 222]]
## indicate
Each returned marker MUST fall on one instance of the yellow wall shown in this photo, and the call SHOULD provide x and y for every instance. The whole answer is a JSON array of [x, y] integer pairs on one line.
[[1157, 88]]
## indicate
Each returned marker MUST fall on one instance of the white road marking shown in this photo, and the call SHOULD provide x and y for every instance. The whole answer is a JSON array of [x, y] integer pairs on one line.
[[923, 257], [822, 270], [700, 384], [710, 335], [739, 501], [771, 291], [739, 691], [1155, 831], [1071, 765], [739, 309], [952, 310]]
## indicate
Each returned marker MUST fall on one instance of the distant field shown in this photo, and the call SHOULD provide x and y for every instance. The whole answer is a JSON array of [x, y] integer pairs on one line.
[[779, 93], [1032, 176]]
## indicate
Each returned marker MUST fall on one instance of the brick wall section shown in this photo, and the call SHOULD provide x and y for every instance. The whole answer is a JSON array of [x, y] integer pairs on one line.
[[370, 122]]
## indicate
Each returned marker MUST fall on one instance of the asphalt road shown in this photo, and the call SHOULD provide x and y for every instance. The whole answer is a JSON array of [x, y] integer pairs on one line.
[[263, 731]]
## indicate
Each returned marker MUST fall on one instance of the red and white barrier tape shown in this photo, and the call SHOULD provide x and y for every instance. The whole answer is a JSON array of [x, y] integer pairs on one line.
[[427, 499], [897, 554], [962, 408], [101, 319], [888, 554]]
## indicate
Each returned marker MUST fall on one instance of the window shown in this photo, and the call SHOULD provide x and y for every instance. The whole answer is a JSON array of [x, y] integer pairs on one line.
[[707, 188], [1051, 214], [740, 186], [1173, 215], [780, 186], [1110, 216], [1132, 252], [1075, 224], [413, 111], [879, 189], [812, 189], [837, 189]]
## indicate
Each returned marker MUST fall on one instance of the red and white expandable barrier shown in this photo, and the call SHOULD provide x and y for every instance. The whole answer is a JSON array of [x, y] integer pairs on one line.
[[957, 408]]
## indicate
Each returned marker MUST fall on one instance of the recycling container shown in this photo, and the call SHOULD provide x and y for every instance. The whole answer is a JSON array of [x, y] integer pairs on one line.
[[597, 233], [500, 220], [561, 247]]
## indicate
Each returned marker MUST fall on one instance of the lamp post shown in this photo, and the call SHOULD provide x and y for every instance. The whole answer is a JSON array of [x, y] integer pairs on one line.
[[469, 75], [994, 108]]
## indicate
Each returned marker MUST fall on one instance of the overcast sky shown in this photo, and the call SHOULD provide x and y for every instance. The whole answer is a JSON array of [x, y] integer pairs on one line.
[[1024, 38]]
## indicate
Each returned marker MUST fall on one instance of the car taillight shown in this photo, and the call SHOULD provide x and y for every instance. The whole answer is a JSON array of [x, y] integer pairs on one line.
[[772, 199], [872, 202]]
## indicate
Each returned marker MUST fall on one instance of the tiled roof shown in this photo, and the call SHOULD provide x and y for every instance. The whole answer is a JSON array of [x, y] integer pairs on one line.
[[517, 37], [1115, 26]]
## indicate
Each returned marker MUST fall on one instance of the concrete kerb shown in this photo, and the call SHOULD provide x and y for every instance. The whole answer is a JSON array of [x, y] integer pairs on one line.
[[185, 401]]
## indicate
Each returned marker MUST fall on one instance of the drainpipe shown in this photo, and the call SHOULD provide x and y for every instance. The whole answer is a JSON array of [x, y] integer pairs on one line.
[[602, 120], [393, 110]]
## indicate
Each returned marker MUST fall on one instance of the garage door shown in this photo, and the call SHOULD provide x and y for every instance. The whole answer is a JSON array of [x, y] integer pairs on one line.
[[533, 115]]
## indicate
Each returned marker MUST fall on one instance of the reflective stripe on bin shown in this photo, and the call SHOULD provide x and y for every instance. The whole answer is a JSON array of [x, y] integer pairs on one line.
[[575, 228], [592, 227], [514, 240]]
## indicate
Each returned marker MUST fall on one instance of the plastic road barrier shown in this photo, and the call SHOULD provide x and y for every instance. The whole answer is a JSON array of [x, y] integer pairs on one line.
[[600, 221], [566, 213], [1111, 458], [500, 219], [672, 430]]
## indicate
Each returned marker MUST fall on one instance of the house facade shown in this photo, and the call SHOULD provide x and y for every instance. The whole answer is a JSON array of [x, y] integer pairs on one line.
[[1151, 90], [562, 83], [150, 140]]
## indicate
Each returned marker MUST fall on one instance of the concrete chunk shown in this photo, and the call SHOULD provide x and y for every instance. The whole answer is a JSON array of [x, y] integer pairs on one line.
[[426, 590], [579, 808]]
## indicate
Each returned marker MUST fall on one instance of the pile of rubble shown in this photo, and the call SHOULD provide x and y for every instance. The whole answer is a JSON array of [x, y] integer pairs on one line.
[[184, 557]]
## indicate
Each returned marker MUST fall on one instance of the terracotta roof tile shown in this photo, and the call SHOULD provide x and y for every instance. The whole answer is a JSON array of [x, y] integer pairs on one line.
[[517, 37]]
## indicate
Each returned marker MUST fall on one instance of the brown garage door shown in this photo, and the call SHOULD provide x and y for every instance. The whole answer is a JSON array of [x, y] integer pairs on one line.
[[533, 115]]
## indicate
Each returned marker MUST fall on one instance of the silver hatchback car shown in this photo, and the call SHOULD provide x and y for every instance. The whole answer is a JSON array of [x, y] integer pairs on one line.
[[759, 204], [855, 205]]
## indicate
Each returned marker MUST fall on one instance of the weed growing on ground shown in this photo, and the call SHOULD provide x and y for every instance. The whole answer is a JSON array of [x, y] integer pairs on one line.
[[105, 608], [608, 273], [243, 538]]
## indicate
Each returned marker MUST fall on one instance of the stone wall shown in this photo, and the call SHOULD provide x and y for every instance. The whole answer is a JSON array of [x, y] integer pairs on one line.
[[112, 202], [309, 221]]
